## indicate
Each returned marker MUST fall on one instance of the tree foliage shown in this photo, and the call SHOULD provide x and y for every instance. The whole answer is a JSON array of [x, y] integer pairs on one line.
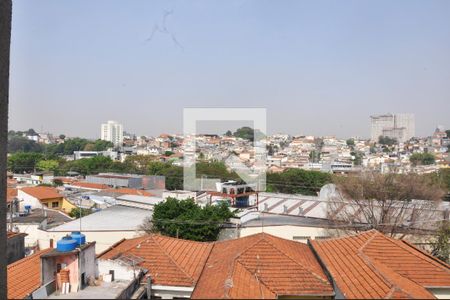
[[47, 165], [387, 141], [77, 212], [441, 244], [187, 220], [297, 181], [21, 162], [422, 159]]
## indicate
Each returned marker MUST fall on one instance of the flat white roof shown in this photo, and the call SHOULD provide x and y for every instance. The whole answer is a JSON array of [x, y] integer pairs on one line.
[[114, 218]]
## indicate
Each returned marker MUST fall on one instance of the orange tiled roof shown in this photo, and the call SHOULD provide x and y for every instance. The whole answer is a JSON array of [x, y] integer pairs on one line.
[[128, 191], [371, 265], [89, 185], [24, 276], [261, 266], [10, 194], [170, 261], [42, 192]]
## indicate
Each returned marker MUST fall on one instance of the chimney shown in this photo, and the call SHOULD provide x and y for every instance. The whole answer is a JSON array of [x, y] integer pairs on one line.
[[51, 243]]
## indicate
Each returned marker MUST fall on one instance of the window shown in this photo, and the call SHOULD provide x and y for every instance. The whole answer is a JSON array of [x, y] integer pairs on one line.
[[55, 204]]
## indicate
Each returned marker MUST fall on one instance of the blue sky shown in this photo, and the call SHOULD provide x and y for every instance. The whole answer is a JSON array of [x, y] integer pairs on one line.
[[319, 67]]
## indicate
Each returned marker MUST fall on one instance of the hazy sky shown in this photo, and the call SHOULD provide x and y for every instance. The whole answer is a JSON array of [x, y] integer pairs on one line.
[[319, 67]]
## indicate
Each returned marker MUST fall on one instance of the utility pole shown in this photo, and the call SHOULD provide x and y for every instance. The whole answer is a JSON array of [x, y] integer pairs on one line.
[[5, 41]]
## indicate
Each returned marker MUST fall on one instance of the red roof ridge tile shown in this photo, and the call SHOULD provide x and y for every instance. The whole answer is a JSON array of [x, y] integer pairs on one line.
[[393, 278], [260, 281], [295, 261], [122, 241], [164, 251]]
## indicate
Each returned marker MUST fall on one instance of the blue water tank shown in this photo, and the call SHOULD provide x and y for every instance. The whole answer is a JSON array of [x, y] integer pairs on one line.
[[242, 201], [27, 207], [79, 237], [66, 244]]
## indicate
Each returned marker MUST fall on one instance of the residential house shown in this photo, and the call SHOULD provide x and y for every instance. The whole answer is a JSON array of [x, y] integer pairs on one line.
[[43, 196]]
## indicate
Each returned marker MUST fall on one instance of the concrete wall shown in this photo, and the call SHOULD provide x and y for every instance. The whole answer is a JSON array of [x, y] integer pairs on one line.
[[121, 270], [32, 230], [88, 264], [26, 199], [49, 267], [289, 232], [15, 248]]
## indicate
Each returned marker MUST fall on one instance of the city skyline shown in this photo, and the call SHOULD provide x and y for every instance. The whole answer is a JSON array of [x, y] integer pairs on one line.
[[318, 70]]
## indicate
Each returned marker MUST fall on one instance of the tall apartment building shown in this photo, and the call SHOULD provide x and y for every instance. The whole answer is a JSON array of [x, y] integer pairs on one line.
[[399, 126], [112, 131]]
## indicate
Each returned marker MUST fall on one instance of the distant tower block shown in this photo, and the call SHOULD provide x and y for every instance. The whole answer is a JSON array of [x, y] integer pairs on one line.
[[112, 131]]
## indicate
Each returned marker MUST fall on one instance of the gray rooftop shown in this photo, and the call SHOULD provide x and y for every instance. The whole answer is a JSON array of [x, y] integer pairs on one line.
[[268, 219], [140, 199], [114, 218], [54, 217], [107, 290]]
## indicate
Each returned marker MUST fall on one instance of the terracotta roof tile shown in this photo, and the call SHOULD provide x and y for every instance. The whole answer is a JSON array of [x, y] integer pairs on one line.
[[42, 192], [10, 194], [170, 261], [259, 266], [24, 276], [371, 265]]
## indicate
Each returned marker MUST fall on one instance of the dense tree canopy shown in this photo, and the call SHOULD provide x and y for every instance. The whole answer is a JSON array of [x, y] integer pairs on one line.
[[297, 181], [187, 220], [387, 141], [422, 159], [21, 162]]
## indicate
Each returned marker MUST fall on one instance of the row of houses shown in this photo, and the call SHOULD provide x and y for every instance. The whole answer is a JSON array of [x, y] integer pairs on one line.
[[368, 265]]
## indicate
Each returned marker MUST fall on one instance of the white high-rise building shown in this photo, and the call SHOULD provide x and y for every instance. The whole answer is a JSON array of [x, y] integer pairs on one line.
[[399, 126], [112, 131]]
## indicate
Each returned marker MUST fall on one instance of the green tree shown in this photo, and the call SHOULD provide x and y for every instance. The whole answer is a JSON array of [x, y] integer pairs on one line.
[[77, 212], [441, 244], [350, 142], [228, 133], [138, 163], [358, 156], [47, 165], [385, 140], [422, 159], [23, 162], [168, 153], [448, 133], [101, 145], [87, 166], [187, 220], [22, 144], [247, 133], [297, 181]]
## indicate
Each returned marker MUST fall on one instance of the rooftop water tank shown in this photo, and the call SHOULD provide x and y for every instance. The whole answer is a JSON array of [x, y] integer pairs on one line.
[[66, 244], [79, 237]]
